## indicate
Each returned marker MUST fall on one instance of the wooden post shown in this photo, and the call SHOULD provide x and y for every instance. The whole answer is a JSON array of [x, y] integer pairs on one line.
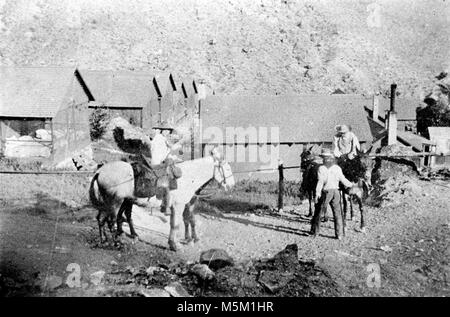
[[280, 186], [159, 111], [202, 146], [52, 151], [192, 141], [432, 159], [375, 108]]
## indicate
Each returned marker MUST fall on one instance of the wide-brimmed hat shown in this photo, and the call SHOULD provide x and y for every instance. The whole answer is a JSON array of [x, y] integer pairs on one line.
[[326, 153], [342, 128], [164, 126]]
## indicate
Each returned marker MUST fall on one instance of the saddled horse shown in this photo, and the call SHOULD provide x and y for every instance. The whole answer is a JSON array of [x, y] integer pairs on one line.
[[112, 193]]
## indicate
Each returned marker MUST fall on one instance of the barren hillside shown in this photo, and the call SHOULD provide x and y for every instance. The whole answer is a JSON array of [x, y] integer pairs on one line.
[[265, 46]]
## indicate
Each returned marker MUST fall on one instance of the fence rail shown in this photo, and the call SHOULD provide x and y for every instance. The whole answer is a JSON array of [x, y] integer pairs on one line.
[[280, 170]]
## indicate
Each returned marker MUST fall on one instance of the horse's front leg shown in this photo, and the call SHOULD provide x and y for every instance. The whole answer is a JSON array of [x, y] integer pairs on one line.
[[352, 216], [187, 222], [363, 215], [344, 204], [192, 222], [310, 199], [175, 209]]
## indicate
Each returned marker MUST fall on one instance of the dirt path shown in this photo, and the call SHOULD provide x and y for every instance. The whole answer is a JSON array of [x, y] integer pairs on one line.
[[414, 235]]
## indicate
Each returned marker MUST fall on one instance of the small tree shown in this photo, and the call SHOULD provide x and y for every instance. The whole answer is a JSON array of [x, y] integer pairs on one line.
[[436, 114], [98, 121]]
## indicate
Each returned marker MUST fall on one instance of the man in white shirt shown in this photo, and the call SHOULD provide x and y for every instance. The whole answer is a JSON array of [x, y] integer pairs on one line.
[[346, 144], [327, 193], [161, 153]]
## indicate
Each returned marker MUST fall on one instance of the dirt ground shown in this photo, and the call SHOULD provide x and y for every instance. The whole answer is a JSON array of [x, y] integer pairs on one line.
[[49, 228]]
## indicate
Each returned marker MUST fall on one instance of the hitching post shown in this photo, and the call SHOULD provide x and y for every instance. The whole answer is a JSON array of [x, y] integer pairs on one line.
[[280, 186]]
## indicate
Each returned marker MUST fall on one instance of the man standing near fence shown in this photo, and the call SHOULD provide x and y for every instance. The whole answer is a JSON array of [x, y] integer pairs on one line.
[[327, 193]]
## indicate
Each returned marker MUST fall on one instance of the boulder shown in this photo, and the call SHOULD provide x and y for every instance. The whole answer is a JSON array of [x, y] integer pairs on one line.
[[52, 282], [216, 258], [203, 272], [97, 277], [175, 289], [154, 292], [275, 280]]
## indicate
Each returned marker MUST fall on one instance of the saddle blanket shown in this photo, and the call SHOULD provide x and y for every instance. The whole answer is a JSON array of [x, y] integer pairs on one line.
[[148, 179]]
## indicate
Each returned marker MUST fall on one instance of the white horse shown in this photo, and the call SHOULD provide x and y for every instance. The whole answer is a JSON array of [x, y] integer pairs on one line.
[[112, 193]]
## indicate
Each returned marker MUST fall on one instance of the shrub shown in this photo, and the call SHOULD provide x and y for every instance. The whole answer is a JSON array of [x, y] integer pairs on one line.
[[436, 114], [98, 121]]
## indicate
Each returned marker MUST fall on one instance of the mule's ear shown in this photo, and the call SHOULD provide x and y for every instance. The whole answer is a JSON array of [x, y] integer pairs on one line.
[[216, 153]]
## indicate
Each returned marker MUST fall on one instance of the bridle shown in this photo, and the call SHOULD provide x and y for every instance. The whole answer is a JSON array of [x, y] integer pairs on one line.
[[218, 166]]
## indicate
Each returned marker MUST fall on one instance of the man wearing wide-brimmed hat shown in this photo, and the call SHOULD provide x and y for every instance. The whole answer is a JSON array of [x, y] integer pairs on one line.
[[163, 153], [327, 193], [346, 144]]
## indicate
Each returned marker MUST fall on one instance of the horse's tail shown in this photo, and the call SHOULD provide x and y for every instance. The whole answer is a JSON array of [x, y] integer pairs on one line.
[[94, 191]]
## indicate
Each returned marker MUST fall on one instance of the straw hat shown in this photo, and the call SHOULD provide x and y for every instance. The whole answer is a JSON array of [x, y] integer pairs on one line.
[[342, 128], [326, 153]]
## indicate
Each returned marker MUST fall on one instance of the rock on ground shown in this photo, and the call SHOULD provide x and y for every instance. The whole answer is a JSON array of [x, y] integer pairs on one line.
[[203, 271], [216, 258], [175, 289]]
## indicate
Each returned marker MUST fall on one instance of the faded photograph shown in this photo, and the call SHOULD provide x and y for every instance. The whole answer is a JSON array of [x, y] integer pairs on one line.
[[242, 148]]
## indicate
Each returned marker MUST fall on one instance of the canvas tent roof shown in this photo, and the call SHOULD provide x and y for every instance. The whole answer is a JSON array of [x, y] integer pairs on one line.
[[34, 92], [189, 86], [300, 118], [163, 81], [120, 88]]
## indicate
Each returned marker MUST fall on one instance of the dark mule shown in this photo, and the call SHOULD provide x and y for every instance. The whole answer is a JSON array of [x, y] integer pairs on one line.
[[309, 167], [359, 172]]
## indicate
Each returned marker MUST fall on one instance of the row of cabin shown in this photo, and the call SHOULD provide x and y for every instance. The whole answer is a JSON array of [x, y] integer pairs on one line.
[[59, 100], [257, 133], [254, 131]]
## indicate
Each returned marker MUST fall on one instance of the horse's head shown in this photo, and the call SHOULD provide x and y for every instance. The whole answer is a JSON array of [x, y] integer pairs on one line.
[[368, 164], [223, 174], [308, 156]]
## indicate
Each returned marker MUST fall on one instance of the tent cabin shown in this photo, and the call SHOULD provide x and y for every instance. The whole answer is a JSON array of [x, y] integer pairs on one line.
[[259, 131], [128, 94], [42, 112]]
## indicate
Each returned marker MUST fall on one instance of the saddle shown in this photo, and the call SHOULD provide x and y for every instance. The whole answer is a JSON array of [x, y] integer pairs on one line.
[[353, 169], [149, 178]]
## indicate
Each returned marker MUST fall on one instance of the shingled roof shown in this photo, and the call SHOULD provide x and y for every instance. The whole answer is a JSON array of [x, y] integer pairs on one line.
[[300, 118], [119, 89], [34, 92]]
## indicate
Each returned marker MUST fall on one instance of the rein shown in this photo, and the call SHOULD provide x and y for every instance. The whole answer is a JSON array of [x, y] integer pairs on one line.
[[221, 170]]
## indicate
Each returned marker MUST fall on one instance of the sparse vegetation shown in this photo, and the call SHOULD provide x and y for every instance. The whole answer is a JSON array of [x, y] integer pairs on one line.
[[238, 46], [19, 164], [437, 113], [98, 121]]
